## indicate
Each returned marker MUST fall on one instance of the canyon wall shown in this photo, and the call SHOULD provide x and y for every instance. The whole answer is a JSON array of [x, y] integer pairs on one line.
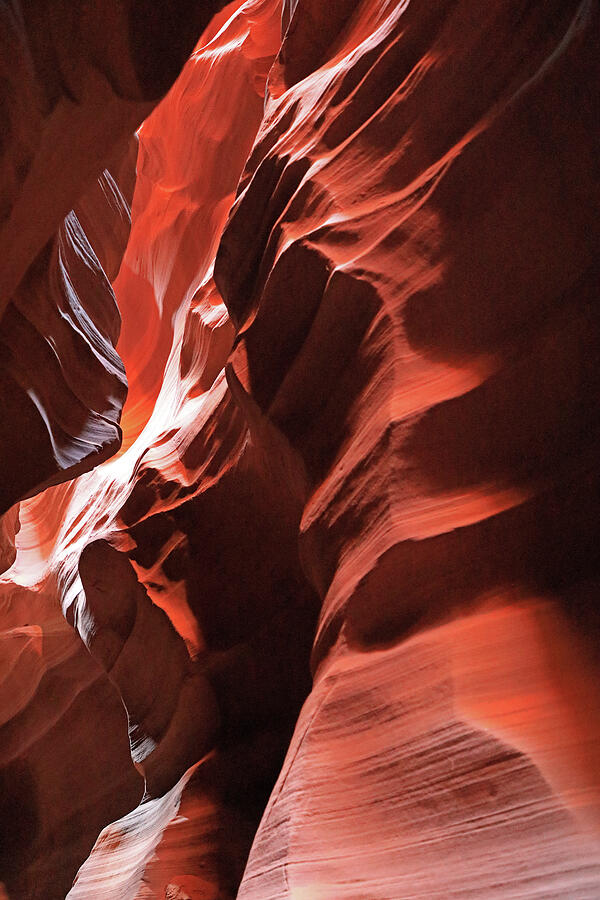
[[317, 617]]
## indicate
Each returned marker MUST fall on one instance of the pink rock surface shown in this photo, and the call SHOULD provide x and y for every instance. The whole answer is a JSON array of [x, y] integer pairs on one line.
[[356, 276], [172, 461], [432, 369]]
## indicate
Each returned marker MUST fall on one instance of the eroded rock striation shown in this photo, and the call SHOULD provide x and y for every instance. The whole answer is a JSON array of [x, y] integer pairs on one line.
[[432, 368], [77, 79], [326, 626]]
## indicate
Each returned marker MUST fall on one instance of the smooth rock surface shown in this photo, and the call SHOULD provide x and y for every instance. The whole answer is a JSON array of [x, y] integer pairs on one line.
[[357, 279], [410, 265]]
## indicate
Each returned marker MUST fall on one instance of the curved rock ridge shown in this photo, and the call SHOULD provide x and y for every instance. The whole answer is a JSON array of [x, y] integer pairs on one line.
[[171, 708], [60, 782], [120, 855], [205, 473], [104, 211], [373, 395], [180, 204], [60, 413], [77, 77], [172, 501], [410, 266], [76, 82], [65, 767]]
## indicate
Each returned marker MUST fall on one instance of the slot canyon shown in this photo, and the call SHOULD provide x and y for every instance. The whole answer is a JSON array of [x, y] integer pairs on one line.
[[299, 458]]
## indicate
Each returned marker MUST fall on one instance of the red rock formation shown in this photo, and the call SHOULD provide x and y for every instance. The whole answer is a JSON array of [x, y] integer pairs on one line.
[[374, 394], [9, 527], [429, 173], [171, 708], [172, 461], [76, 80], [75, 83]]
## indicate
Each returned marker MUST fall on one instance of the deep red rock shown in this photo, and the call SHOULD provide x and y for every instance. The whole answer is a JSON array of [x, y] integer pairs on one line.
[[75, 84], [361, 435], [431, 366], [171, 708], [9, 527]]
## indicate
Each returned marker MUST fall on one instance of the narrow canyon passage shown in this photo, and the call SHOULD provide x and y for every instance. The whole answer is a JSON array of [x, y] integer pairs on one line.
[[299, 408]]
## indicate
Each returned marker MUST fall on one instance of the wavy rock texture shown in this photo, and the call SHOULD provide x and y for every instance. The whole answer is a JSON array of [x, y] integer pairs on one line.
[[76, 80], [61, 381], [77, 77], [75, 84], [430, 172], [170, 706], [374, 394], [173, 501]]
